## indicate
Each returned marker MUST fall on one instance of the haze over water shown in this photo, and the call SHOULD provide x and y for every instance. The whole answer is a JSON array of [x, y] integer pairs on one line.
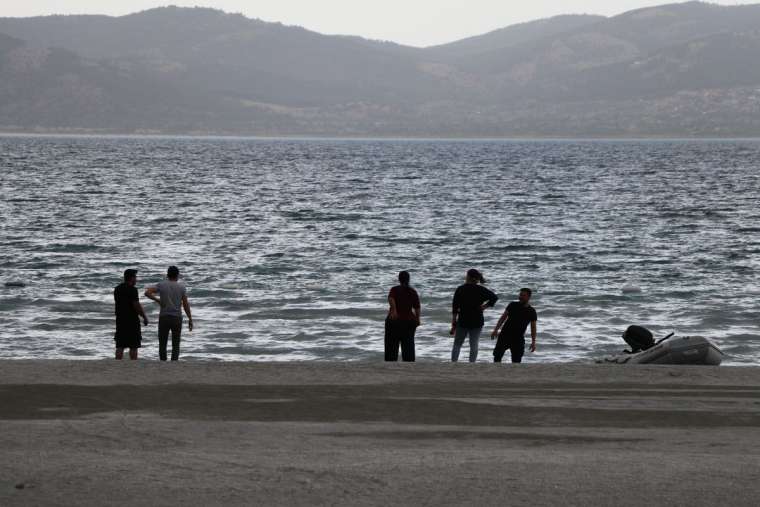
[[288, 247]]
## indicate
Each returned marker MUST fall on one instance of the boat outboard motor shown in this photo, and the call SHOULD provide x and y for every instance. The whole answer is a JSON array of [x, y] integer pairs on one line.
[[639, 338]]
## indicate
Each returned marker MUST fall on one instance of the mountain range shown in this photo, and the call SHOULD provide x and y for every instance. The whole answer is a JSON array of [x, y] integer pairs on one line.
[[687, 69]]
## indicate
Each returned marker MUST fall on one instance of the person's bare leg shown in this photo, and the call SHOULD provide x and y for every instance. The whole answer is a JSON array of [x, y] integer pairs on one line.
[[120, 353], [133, 354]]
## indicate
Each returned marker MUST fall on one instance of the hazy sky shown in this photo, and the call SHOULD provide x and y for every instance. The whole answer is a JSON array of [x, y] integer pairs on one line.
[[415, 22]]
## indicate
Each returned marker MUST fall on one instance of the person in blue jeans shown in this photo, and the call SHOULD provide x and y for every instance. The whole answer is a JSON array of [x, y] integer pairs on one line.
[[467, 321]]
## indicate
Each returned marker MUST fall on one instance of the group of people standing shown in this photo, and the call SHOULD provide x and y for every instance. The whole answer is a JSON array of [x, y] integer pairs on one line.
[[469, 302], [404, 314]]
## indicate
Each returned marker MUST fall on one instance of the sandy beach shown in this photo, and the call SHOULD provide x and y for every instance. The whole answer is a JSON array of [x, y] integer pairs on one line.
[[144, 433]]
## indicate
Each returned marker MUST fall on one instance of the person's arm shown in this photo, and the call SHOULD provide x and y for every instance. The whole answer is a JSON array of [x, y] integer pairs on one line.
[[186, 306], [137, 306], [417, 309], [533, 336], [150, 293], [140, 311], [454, 312], [393, 315], [492, 299], [502, 320]]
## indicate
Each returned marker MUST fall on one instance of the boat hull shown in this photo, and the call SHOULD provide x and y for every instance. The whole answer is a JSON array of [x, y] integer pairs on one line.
[[682, 350]]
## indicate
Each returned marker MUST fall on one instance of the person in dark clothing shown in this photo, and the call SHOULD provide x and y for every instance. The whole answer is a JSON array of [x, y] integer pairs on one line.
[[469, 302], [402, 321], [128, 312], [515, 320]]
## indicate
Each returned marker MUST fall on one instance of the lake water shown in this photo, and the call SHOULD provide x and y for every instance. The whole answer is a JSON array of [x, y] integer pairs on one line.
[[288, 247]]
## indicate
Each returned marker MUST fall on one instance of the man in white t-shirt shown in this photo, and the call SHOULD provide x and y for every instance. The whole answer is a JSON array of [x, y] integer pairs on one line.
[[172, 298]]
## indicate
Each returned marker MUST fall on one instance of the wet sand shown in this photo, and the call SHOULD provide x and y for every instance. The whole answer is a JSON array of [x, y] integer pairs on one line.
[[144, 433]]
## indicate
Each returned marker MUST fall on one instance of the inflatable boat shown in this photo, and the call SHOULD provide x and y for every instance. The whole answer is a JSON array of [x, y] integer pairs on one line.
[[669, 350]]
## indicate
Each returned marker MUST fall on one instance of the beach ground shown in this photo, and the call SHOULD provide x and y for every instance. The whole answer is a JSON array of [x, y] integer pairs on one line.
[[206, 433]]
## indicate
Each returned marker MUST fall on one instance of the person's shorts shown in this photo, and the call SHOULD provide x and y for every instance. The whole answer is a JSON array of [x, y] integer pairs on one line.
[[515, 344], [128, 336]]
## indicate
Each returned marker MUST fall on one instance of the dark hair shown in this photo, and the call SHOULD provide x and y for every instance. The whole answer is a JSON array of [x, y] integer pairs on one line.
[[403, 278], [172, 272], [129, 274], [527, 290], [476, 275]]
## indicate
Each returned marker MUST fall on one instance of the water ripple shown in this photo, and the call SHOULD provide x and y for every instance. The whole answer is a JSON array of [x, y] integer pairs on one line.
[[288, 247]]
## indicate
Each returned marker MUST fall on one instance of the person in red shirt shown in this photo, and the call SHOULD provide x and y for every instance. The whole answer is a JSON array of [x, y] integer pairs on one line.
[[402, 321]]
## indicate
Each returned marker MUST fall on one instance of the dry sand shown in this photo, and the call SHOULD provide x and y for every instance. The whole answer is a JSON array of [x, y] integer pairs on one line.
[[145, 433]]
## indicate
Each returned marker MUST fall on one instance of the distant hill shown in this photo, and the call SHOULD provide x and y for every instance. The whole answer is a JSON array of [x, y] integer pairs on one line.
[[685, 69], [510, 37]]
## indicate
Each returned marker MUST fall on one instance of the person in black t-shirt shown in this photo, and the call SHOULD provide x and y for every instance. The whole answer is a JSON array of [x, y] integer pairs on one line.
[[469, 302], [128, 312], [515, 320]]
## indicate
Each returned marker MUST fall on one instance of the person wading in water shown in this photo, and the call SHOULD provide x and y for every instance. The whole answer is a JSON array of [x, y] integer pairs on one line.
[[402, 321], [515, 320], [469, 302]]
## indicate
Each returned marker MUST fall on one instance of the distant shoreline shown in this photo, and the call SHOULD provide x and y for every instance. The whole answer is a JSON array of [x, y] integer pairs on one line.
[[107, 135]]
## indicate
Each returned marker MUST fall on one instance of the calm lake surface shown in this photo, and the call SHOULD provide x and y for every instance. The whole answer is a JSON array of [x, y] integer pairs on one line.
[[288, 247]]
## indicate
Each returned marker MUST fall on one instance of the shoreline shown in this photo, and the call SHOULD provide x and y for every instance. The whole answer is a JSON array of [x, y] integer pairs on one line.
[[211, 433], [107, 371], [312, 137]]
